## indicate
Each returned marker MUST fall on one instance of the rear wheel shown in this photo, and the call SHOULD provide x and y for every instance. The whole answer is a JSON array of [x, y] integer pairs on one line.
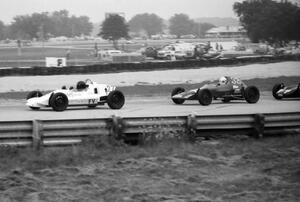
[[204, 97], [59, 102], [115, 99], [176, 91], [275, 89], [32, 94], [252, 94]]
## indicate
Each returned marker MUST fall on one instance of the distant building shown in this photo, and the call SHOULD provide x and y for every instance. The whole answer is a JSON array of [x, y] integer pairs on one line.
[[226, 32]]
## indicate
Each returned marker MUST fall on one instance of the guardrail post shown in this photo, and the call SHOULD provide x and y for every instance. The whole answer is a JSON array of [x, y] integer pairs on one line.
[[117, 127], [259, 125], [37, 129], [191, 127]]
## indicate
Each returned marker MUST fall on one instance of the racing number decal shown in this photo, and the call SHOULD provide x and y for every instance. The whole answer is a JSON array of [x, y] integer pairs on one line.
[[109, 88], [235, 81], [92, 101]]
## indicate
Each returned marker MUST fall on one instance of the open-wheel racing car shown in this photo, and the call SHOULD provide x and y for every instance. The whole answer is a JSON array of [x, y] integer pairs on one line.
[[280, 91], [226, 89], [87, 93]]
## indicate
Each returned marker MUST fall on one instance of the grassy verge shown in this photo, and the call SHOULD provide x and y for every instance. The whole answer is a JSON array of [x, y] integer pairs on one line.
[[221, 170]]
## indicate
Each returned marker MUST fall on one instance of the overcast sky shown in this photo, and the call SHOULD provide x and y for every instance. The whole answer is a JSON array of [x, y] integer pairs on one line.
[[95, 9]]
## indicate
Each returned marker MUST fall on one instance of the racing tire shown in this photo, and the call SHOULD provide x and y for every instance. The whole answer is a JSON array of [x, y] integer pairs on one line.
[[251, 94], [34, 108], [176, 91], [275, 89], [59, 102], [115, 99], [35, 93], [204, 97]]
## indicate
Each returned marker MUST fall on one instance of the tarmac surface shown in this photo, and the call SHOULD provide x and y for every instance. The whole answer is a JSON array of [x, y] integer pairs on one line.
[[13, 110]]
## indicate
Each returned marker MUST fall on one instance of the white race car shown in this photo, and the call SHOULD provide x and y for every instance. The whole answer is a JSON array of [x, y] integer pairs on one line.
[[86, 93]]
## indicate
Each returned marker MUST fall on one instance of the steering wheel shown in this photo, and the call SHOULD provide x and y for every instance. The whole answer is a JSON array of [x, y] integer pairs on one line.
[[88, 81]]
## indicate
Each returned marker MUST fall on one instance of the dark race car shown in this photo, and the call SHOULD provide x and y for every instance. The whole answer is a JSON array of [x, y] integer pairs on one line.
[[280, 91], [226, 89]]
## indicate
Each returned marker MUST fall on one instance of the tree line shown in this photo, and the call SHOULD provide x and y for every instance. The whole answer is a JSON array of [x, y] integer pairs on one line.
[[276, 22], [45, 25], [60, 23], [179, 24]]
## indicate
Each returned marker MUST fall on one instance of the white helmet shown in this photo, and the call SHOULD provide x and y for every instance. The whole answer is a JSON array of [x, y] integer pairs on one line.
[[222, 80]]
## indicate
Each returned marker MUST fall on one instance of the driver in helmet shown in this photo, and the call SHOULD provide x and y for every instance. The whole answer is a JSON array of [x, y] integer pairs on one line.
[[222, 80], [81, 85]]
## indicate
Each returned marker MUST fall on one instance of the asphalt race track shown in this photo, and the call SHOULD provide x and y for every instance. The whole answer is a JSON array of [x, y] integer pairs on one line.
[[12, 110]]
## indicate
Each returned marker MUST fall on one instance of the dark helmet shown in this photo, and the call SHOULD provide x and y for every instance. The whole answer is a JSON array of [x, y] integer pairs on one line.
[[80, 85]]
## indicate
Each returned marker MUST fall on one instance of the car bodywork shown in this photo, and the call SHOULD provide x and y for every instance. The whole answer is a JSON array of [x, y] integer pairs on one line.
[[280, 91], [149, 52], [91, 95], [233, 89], [178, 50]]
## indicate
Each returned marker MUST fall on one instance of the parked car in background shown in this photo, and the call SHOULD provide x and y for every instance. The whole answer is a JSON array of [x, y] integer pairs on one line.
[[188, 36], [149, 52], [108, 54], [177, 50]]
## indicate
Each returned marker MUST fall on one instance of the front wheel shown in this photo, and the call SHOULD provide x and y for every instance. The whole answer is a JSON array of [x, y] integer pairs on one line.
[[252, 94], [115, 99], [205, 97], [59, 102], [34, 108], [176, 91], [275, 89]]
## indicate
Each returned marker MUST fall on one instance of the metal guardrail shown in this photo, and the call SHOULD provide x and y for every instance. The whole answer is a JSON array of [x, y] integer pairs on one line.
[[39, 133]]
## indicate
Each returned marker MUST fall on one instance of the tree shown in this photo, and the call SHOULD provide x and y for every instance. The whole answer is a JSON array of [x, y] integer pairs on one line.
[[181, 24], [43, 25], [150, 23], [2, 30], [62, 23], [114, 28], [70, 26], [268, 20], [80, 25], [28, 27]]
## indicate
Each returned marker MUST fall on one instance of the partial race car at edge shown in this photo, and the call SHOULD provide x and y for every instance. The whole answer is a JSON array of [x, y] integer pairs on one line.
[[87, 93], [227, 89], [280, 91]]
